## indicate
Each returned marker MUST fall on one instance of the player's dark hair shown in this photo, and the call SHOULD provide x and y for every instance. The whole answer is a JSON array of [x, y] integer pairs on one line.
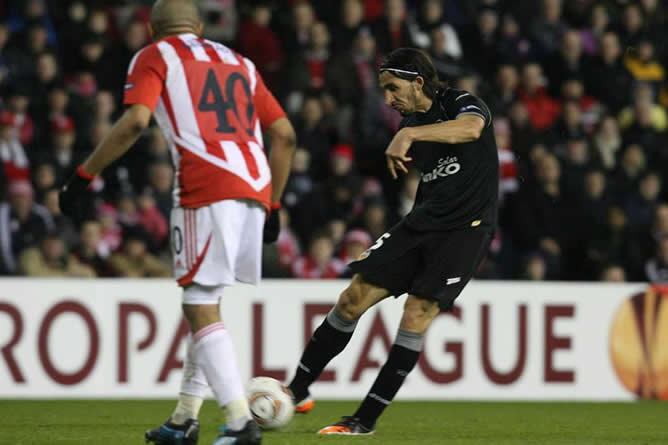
[[408, 64]]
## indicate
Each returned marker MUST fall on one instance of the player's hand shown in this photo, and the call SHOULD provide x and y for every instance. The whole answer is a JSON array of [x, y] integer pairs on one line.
[[395, 153], [73, 196], [272, 225]]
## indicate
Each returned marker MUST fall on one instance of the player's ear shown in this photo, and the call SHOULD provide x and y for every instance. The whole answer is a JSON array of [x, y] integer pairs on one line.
[[418, 83], [199, 29], [151, 33]]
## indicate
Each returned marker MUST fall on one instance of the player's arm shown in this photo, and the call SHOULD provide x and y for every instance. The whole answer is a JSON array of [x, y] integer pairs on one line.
[[118, 141], [465, 128], [283, 142], [146, 75], [282, 138]]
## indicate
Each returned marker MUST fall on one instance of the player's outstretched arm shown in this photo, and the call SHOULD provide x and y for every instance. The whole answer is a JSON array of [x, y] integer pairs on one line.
[[122, 136], [283, 141], [466, 128]]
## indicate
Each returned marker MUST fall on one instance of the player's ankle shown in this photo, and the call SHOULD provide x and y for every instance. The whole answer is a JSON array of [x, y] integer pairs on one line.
[[298, 394]]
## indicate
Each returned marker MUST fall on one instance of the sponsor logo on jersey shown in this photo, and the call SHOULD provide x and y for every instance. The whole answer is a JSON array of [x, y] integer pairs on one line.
[[446, 167]]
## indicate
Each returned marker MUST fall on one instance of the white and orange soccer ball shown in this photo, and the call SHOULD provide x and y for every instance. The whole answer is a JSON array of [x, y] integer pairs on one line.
[[270, 402]]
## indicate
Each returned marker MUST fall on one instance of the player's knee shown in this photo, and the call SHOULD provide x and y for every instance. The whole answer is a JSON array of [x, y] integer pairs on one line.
[[418, 314], [350, 305]]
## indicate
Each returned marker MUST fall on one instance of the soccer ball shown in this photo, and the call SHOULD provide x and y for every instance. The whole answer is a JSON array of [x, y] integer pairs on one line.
[[270, 402]]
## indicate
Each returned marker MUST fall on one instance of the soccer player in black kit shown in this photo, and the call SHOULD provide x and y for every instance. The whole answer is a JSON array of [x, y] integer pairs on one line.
[[432, 253]]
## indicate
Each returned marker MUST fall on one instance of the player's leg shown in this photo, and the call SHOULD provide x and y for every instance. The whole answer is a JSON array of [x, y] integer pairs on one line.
[[193, 388], [404, 354], [418, 315], [448, 261], [332, 336]]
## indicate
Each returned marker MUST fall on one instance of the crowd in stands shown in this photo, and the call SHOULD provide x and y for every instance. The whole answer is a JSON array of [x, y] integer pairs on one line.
[[577, 88]]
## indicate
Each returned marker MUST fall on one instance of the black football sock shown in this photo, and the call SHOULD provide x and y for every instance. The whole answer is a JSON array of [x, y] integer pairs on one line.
[[327, 342], [400, 362]]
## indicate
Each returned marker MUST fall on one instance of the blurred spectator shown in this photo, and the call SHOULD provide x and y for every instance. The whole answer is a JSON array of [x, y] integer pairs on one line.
[[607, 78], [287, 244], [63, 226], [44, 178], [92, 251], [350, 23], [300, 182], [151, 219], [629, 171], [568, 63], [643, 95], [15, 164], [355, 242], [320, 261], [480, 42], [508, 181], [548, 29], [259, 43], [160, 178], [643, 65], [18, 102], [391, 30], [599, 22], [542, 217], [134, 260], [542, 109], [51, 259], [656, 268], [23, 224], [535, 268], [632, 26], [62, 154], [640, 206], [613, 273], [512, 46], [433, 30], [607, 142], [504, 93], [299, 34], [112, 233]]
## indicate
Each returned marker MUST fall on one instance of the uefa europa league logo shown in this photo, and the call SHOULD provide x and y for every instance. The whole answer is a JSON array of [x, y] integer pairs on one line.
[[639, 344]]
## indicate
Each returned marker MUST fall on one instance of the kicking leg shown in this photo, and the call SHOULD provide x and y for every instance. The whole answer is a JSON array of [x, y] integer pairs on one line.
[[332, 336], [404, 354]]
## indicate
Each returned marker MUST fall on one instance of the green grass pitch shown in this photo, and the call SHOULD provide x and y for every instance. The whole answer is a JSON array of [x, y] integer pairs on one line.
[[102, 422]]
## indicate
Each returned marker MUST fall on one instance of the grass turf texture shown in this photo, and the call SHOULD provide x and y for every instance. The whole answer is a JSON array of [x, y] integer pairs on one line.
[[102, 422]]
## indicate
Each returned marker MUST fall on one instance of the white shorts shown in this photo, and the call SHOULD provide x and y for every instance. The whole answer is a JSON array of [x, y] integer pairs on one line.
[[218, 244]]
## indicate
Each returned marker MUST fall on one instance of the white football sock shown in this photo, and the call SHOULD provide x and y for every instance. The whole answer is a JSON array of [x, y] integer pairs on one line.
[[193, 388], [217, 359], [187, 408]]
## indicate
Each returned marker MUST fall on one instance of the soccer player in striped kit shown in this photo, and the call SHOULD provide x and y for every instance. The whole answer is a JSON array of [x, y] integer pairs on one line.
[[212, 106]]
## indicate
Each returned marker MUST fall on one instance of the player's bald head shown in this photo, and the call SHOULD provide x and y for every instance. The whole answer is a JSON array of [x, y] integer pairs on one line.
[[175, 16]]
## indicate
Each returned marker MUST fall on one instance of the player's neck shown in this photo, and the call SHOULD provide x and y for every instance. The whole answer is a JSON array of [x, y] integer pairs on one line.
[[173, 32], [423, 104]]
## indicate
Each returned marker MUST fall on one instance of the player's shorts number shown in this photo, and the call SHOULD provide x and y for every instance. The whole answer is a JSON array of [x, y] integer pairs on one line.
[[379, 242]]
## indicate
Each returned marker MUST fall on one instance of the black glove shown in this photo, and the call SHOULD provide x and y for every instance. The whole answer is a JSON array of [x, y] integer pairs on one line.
[[74, 196], [272, 225]]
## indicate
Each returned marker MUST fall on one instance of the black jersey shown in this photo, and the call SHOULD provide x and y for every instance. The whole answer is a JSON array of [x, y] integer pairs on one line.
[[459, 182]]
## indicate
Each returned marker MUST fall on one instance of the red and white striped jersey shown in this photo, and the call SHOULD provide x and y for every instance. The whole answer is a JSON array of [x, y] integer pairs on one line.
[[210, 104]]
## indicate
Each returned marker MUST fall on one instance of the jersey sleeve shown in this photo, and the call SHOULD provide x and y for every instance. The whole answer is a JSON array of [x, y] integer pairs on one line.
[[267, 107], [464, 103], [146, 78]]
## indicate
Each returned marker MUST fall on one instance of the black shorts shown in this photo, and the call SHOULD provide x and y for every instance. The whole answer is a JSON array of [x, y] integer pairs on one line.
[[431, 265]]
